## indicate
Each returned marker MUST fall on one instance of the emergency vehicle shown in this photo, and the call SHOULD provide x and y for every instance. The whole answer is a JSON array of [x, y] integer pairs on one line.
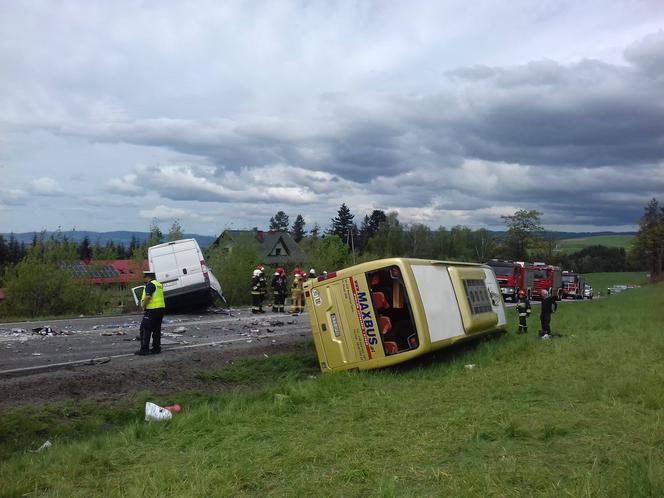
[[573, 285], [388, 311], [512, 276], [546, 277]]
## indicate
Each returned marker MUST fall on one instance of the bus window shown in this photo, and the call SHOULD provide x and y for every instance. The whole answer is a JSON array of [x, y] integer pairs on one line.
[[394, 315]]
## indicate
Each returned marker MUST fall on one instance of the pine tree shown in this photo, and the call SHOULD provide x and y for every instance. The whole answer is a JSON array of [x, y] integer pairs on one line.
[[279, 222], [297, 231], [84, 248], [343, 225]]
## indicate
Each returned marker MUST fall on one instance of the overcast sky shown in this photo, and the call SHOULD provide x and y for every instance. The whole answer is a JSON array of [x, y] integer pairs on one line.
[[220, 114]]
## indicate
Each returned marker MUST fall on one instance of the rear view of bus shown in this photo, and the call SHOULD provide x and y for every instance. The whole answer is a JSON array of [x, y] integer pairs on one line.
[[388, 311]]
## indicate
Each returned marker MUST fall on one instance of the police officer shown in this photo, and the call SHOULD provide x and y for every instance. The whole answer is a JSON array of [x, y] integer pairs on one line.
[[523, 309], [256, 293], [279, 290], [549, 306], [154, 306]]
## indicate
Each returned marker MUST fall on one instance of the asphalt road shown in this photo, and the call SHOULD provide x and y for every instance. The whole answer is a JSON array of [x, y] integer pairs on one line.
[[28, 347], [34, 346]]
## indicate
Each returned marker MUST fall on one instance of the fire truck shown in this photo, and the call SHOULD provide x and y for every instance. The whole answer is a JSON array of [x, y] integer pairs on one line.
[[573, 285], [546, 277], [512, 277]]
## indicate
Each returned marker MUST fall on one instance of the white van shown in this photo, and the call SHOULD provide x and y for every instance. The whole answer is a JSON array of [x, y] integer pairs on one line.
[[180, 267]]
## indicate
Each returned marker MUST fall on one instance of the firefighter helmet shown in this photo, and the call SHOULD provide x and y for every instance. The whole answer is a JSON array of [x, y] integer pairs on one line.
[[257, 273]]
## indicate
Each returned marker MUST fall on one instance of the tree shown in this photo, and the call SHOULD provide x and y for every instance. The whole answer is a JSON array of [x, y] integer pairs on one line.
[[389, 239], [40, 284], [343, 225], [297, 231], [175, 231], [84, 248], [523, 228], [234, 267], [420, 241], [484, 245], [279, 222], [330, 254], [649, 243], [370, 226], [154, 238]]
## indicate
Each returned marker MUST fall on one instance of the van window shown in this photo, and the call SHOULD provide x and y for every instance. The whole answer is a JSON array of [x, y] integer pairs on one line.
[[393, 310]]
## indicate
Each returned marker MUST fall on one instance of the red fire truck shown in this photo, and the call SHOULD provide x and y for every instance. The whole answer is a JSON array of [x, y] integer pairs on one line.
[[573, 285], [546, 277], [512, 277]]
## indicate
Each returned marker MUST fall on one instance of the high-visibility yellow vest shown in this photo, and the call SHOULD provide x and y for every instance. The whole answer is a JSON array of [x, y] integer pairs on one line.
[[157, 300]]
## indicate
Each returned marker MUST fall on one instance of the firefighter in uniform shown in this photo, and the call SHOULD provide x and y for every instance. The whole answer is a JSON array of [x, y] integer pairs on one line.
[[523, 309], [279, 289], [297, 292], [256, 295], [263, 283], [154, 306]]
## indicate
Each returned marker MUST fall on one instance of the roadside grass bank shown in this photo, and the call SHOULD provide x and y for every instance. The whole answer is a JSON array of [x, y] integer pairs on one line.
[[579, 415]]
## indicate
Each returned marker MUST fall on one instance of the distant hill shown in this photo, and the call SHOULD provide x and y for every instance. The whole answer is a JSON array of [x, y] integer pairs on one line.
[[571, 245], [120, 237]]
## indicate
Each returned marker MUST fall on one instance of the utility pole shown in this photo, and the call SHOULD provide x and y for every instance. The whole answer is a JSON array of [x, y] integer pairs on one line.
[[352, 244]]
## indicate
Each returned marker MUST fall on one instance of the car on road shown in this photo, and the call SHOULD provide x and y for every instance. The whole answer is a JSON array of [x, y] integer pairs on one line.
[[587, 291]]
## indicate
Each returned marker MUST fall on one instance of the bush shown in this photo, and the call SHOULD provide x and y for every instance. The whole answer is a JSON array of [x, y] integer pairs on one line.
[[234, 269], [37, 288]]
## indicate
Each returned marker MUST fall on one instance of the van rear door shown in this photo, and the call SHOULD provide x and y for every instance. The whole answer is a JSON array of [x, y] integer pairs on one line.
[[164, 264], [188, 257]]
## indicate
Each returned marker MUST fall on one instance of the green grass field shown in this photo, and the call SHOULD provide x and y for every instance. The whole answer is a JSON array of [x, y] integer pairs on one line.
[[580, 415], [602, 281], [575, 245]]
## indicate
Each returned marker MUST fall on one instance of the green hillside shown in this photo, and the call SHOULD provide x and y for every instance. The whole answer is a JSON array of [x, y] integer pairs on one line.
[[579, 415], [575, 245]]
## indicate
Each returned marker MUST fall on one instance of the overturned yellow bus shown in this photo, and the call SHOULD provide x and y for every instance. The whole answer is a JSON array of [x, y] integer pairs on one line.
[[388, 311]]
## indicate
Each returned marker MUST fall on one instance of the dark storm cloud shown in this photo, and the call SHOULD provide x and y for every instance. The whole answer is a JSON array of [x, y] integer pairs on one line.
[[583, 140]]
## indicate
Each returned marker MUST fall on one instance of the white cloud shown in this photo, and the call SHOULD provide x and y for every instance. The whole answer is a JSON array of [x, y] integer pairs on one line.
[[47, 186], [162, 212], [13, 197], [125, 185]]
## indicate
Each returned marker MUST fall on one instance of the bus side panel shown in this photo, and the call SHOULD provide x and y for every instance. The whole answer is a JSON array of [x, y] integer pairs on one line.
[[441, 310]]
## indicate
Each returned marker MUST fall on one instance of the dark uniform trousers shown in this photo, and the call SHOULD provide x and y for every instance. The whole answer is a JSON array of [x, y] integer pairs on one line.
[[151, 327]]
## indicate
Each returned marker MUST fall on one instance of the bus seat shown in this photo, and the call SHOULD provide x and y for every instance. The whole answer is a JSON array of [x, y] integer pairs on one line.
[[391, 347], [379, 301], [384, 324]]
